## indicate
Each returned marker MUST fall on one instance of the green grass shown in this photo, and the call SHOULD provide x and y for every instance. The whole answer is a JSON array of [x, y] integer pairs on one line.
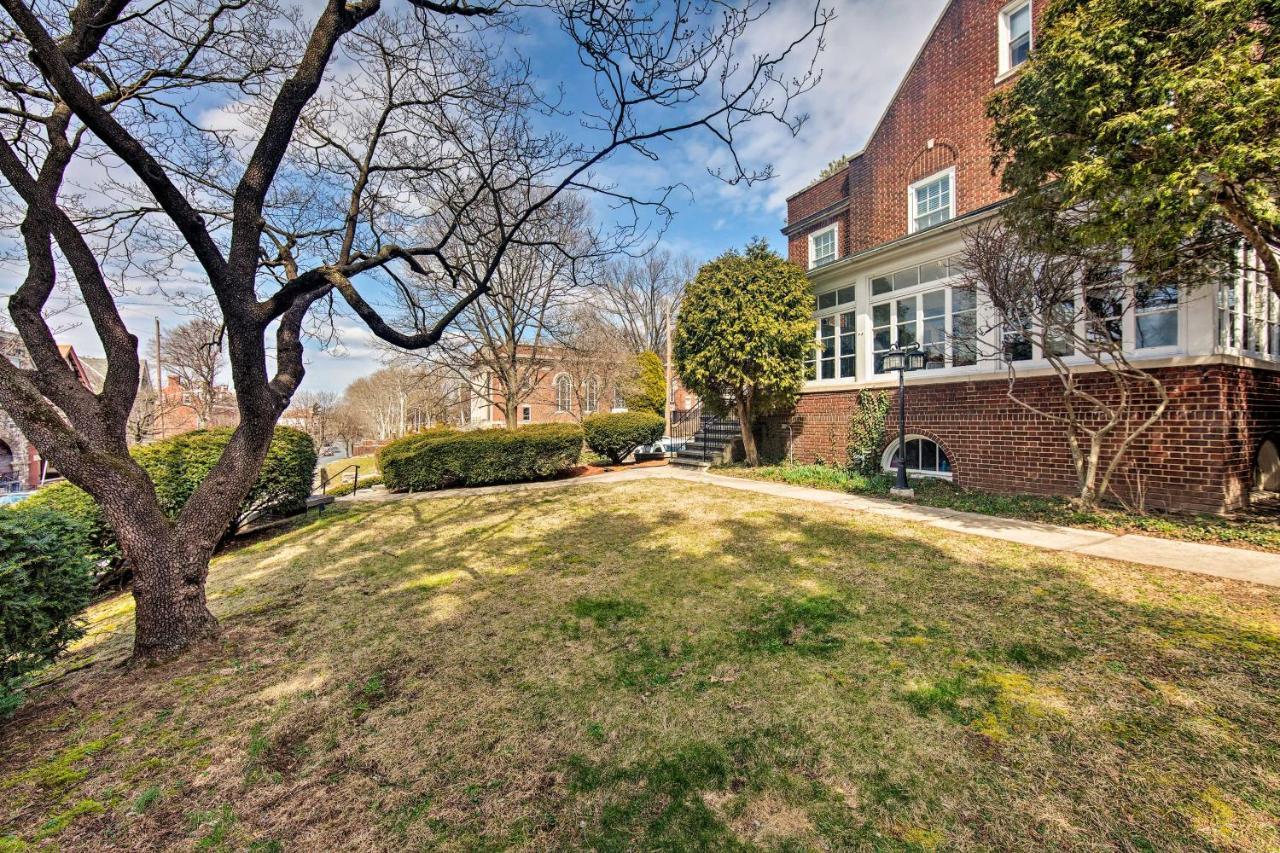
[[663, 665], [1258, 535], [368, 466]]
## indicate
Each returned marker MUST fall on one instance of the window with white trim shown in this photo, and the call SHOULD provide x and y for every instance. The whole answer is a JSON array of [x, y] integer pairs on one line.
[[932, 200], [1155, 309], [822, 247], [925, 458], [1015, 35], [942, 320], [564, 393], [836, 356], [1248, 311], [591, 396], [526, 414]]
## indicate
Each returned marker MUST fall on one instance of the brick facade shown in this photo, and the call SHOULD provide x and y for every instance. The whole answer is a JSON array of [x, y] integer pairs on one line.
[[1199, 456], [937, 120]]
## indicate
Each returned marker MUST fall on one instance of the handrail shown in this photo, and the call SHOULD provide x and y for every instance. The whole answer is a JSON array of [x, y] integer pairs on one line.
[[326, 478]]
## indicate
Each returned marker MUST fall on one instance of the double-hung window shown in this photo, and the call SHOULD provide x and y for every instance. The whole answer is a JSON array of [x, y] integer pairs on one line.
[[822, 247], [837, 336], [1015, 35], [932, 200]]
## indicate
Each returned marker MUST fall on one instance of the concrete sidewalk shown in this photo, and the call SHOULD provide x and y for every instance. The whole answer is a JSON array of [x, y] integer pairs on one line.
[[1217, 560]]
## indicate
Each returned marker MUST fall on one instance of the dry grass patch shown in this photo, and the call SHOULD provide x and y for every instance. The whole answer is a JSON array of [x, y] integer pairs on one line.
[[668, 666]]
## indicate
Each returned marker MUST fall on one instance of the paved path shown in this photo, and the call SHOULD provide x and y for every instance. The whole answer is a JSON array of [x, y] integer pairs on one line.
[[1218, 560]]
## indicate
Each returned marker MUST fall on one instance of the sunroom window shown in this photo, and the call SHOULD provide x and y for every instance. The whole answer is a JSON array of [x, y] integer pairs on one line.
[[1248, 312], [1155, 311], [837, 336], [942, 320]]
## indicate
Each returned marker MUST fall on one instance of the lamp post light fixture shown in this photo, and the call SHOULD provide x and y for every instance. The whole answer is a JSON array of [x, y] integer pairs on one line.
[[903, 360]]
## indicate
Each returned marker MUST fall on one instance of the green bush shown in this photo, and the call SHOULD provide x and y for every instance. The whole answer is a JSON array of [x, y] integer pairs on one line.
[[176, 467], [440, 458], [45, 580], [616, 435]]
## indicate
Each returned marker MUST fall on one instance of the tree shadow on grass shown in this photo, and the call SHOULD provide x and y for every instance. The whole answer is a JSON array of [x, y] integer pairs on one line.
[[677, 666]]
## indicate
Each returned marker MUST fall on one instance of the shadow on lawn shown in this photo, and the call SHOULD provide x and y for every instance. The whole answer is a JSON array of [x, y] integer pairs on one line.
[[670, 667]]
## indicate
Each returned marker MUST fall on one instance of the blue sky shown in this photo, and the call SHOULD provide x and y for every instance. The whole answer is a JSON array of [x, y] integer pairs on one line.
[[869, 47]]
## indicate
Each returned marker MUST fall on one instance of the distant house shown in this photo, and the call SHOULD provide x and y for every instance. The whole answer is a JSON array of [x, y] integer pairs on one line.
[[180, 409], [21, 466], [880, 237]]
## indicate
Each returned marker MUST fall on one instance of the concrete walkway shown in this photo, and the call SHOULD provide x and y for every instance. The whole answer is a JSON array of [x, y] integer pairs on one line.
[[1217, 560]]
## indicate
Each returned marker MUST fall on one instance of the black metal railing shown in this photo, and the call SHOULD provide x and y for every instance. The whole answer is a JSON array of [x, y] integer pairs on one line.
[[698, 434], [326, 478], [685, 424]]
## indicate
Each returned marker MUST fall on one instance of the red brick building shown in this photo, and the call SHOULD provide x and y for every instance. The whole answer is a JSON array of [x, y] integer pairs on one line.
[[566, 387], [880, 239]]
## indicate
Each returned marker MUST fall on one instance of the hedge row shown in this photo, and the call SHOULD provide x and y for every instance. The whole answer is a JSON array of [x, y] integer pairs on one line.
[[617, 435], [177, 466], [440, 458]]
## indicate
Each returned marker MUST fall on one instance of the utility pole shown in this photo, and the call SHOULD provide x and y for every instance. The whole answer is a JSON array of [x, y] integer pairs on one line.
[[159, 385], [668, 414]]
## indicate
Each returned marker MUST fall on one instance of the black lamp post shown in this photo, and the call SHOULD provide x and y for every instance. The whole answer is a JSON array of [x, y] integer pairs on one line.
[[903, 360]]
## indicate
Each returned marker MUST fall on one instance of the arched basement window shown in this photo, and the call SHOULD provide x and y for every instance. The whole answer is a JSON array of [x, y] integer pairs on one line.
[[924, 458], [1267, 467]]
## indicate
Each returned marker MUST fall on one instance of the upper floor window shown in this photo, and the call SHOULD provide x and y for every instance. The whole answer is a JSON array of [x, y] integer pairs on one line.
[[1015, 35], [822, 247], [932, 201]]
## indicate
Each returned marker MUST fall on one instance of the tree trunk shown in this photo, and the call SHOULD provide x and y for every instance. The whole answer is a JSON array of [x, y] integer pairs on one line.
[[509, 414], [168, 593], [748, 433]]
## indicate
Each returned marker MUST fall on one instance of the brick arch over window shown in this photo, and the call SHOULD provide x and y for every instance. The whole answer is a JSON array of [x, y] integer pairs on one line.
[[929, 161], [886, 452]]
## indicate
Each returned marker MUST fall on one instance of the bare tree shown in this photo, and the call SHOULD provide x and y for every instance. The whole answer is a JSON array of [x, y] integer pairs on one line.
[[1069, 309], [315, 410], [498, 345], [192, 352], [598, 363], [350, 146], [640, 293]]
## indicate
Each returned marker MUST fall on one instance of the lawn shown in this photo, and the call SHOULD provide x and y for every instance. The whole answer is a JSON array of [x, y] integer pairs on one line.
[[664, 665], [368, 465], [1244, 533]]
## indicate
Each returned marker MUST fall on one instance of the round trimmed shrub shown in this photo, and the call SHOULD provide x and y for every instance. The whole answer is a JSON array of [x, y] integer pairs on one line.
[[617, 435], [441, 458], [45, 581], [177, 466]]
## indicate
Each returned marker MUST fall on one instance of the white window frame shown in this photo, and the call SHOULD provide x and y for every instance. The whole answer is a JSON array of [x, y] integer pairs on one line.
[[834, 230], [835, 312], [886, 459], [564, 403], [526, 414], [1006, 65], [591, 396], [948, 173]]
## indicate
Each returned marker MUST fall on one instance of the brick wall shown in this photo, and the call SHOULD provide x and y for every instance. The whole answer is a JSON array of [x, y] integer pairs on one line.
[[1200, 456], [937, 120]]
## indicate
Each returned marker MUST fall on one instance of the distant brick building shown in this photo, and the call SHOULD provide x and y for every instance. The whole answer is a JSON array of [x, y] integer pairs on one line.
[[880, 237], [566, 388], [21, 466]]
